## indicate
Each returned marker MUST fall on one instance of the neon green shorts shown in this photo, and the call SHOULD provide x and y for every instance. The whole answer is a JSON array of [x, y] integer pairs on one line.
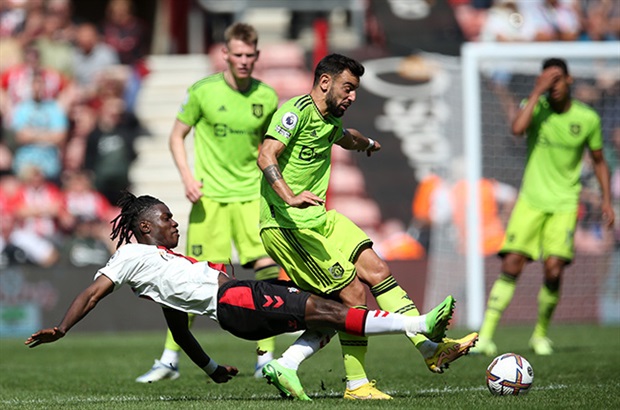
[[535, 233], [319, 260], [214, 226]]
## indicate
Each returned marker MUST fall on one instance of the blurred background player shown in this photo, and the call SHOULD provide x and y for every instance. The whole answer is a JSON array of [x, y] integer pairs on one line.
[[542, 224], [230, 111]]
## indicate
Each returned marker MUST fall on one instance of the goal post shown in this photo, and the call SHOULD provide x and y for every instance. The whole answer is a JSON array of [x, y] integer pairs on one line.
[[526, 58]]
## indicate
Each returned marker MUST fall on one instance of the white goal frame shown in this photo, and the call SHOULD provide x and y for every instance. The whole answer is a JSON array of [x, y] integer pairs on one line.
[[472, 54]]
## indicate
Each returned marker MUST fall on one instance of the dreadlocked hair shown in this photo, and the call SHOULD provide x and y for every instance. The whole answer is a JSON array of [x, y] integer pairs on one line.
[[132, 208]]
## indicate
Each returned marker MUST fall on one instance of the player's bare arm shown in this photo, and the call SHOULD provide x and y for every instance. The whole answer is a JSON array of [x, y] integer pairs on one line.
[[177, 148], [268, 163], [178, 324], [601, 171], [355, 140], [81, 305]]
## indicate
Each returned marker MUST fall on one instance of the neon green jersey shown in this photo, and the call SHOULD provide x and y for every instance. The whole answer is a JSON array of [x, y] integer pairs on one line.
[[305, 163], [556, 143], [228, 129]]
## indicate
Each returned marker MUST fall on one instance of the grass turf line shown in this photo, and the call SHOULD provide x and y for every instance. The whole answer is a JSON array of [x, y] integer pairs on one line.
[[95, 371]]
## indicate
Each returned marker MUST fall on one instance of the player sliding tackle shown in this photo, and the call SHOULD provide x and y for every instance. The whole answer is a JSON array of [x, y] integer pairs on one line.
[[248, 309]]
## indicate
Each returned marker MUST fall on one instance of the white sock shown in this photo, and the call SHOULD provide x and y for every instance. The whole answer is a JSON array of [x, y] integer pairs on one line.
[[170, 358], [354, 384], [381, 322], [262, 359], [310, 342]]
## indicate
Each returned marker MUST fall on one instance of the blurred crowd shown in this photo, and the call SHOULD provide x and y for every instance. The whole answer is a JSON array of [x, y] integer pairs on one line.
[[538, 20], [67, 96]]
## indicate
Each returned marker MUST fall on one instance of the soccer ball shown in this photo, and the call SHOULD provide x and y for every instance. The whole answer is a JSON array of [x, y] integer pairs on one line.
[[509, 374]]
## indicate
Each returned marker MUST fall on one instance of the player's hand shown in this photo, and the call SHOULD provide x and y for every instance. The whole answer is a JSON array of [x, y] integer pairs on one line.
[[305, 200], [44, 336], [609, 216], [376, 147], [548, 78], [193, 190], [224, 373]]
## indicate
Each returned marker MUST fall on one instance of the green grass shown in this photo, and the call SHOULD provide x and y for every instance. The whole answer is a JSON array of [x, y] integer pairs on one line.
[[97, 371]]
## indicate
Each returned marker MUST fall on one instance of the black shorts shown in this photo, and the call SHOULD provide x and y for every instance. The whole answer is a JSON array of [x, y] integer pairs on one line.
[[255, 310]]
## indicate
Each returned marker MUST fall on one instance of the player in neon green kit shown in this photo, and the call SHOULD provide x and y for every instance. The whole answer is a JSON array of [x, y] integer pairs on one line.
[[230, 112], [323, 251], [542, 224]]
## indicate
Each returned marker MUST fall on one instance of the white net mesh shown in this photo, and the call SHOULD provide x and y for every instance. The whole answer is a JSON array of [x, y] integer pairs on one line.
[[502, 78]]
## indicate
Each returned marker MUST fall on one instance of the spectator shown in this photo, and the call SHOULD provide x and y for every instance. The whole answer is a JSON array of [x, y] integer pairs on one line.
[[10, 197], [504, 23], [88, 221], [82, 120], [551, 20], [599, 19], [40, 126], [56, 52], [127, 34], [63, 10], [110, 149], [91, 58], [12, 18], [39, 212], [16, 82]]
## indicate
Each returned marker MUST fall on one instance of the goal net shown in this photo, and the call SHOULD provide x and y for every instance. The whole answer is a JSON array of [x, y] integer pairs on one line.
[[494, 78]]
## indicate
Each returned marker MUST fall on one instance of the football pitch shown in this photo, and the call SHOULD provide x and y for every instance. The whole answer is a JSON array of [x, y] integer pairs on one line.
[[97, 371]]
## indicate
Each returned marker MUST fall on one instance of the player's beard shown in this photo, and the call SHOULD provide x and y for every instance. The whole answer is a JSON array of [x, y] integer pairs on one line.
[[332, 106]]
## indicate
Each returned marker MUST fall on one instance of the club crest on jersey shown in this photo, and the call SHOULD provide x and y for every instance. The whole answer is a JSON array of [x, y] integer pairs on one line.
[[289, 120], [292, 290], [257, 110], [575, 129], [196, 250], [336, 271]]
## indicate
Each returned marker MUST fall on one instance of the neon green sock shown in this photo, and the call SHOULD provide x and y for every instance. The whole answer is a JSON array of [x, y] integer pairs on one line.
[[170, 343], [354, 350], [500, 297], [266, 345], [392, 298], [548, 298]]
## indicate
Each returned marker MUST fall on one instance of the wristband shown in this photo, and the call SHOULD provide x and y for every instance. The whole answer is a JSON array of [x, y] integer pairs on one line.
[[211, 367], [371, 143]]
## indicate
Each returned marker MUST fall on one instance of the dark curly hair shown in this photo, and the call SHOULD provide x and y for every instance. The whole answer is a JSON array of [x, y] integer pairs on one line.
[[125, 225]]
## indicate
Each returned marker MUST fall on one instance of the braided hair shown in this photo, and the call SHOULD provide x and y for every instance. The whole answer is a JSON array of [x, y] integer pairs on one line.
[[125, 225]]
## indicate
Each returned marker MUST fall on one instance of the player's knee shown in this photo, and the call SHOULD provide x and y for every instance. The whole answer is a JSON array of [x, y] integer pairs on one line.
[[512, 264], [553, 271]]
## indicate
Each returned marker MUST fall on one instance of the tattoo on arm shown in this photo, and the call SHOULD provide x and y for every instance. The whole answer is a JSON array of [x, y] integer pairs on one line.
[[272, 173]]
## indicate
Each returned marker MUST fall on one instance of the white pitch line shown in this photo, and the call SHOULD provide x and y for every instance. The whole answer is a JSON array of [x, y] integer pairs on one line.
[[332, 393]]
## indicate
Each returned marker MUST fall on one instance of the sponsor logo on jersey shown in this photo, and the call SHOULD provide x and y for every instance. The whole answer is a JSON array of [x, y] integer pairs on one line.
[[289, 120], [308, 153], [220, 130], [336, 271], [257, 110]]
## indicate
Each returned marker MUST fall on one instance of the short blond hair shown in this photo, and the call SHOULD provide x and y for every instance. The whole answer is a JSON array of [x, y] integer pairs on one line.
[[243, 32]]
